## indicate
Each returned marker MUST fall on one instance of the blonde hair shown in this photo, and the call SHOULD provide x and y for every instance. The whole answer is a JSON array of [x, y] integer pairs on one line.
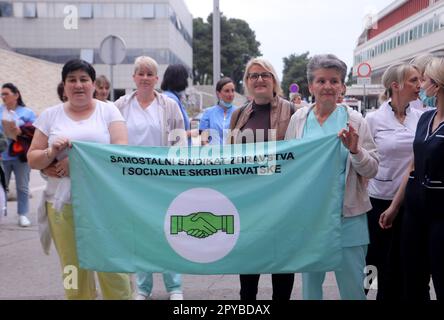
[[147, 62], [102, 81], [394, 73], [421, 62], [435, 70], [267, 66]]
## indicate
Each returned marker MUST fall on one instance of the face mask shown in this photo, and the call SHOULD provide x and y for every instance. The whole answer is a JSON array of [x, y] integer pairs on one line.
[[225, 104], [426, 100]]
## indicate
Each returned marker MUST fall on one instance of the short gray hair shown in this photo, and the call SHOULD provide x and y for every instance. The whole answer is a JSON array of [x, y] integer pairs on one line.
[[147, 62], [326, 61]]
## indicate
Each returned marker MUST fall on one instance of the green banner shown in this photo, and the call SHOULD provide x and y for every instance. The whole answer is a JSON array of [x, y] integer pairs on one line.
[[237, 209]]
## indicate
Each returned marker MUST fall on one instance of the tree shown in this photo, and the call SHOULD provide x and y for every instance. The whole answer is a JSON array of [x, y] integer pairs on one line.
[[349, 81], [238, 45], [295, 71]]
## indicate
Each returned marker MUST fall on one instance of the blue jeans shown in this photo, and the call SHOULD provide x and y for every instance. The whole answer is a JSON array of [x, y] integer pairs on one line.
[[21, 172], [172, 281]]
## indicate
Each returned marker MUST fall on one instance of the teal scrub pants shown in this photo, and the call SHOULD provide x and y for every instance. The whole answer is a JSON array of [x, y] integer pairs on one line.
[[350, 277], [172, 281]]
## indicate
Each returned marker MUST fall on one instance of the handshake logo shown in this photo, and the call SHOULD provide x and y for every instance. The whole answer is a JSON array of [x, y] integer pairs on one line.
[[202, 224]]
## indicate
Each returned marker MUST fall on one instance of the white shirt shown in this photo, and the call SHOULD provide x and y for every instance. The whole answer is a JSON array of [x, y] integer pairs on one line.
[[395, 147], [144, 125], [54, 122], [417, 104]]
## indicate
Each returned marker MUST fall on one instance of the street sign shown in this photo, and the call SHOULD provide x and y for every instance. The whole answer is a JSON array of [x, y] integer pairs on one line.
[[364, 81], [364, 70], [112, 50], [294, 88]]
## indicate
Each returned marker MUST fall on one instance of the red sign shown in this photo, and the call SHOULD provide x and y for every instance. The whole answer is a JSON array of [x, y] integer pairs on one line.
[[364, 70]]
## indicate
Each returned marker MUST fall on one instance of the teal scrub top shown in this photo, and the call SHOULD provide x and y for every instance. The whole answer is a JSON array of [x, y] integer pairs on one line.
[[354, 230]]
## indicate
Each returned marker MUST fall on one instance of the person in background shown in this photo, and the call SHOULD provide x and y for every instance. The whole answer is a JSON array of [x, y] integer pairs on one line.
[[216, 120], [296, 98], [174, 83], [326, 75], [423, 103], [3, 202], [421, 192], [80, 118], [150, 117], [102, 88], [266, 116], [393, 127], [14, 115]]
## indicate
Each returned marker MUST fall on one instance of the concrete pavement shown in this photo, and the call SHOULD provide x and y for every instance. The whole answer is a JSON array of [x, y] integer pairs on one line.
[[27, 273]]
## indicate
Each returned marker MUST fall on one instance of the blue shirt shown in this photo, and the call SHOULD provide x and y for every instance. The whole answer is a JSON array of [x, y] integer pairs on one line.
[[217, 123], [24, 114], [186, 119]]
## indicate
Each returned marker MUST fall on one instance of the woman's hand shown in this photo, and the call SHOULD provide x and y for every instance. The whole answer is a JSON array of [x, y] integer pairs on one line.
[[350, 139], [62, 168], [51, 170], [387, 217], [59, 144]]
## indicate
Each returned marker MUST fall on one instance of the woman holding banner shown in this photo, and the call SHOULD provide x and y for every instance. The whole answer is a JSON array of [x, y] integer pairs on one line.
[[152, 120], [326, 76], [264, 118], [80, 118]]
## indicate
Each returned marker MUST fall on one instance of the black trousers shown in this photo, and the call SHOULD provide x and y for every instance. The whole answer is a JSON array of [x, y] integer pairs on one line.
[[282, 286], [384, 252], [422, 249]]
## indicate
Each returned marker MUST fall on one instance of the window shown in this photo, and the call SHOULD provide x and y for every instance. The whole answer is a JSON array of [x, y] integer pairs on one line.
[[42, 10], [430, 25], [161, 10], [148, 11], [98, 10], [435, 23], [29, 10], [108, 10], [59, 10], [136, 10], [5, 9], [441, 21], [87, 55], [86, 11], [420, 31], [122, 11]]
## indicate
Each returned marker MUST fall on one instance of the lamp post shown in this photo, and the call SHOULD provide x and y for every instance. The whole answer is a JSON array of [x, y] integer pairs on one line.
[[216, 42]]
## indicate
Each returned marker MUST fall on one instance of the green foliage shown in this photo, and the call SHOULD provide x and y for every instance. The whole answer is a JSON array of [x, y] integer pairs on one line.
[[295, 71], [349, 81], [238, 45]]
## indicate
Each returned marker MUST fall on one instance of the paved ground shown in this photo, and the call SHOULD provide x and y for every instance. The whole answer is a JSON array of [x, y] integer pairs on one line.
[[27, 273]]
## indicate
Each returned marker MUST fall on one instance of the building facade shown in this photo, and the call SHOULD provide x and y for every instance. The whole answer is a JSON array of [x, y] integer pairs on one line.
[[57, 31], [401, 31]]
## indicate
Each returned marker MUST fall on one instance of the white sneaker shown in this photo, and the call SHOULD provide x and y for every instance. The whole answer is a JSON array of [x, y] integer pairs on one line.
[[176, 296], [141, 296], [24, 221]]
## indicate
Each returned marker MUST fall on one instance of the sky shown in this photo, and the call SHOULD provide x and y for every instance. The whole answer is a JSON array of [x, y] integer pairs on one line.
[[285, 27]]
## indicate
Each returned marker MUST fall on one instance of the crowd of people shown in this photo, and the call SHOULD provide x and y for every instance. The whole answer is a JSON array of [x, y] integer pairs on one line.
[[391, 173]]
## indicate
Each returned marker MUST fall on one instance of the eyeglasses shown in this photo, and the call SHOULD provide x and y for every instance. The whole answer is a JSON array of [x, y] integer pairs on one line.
[[264, 75]]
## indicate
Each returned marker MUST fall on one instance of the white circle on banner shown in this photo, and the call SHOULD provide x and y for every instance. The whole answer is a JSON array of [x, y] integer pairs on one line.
[[214, 205]]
